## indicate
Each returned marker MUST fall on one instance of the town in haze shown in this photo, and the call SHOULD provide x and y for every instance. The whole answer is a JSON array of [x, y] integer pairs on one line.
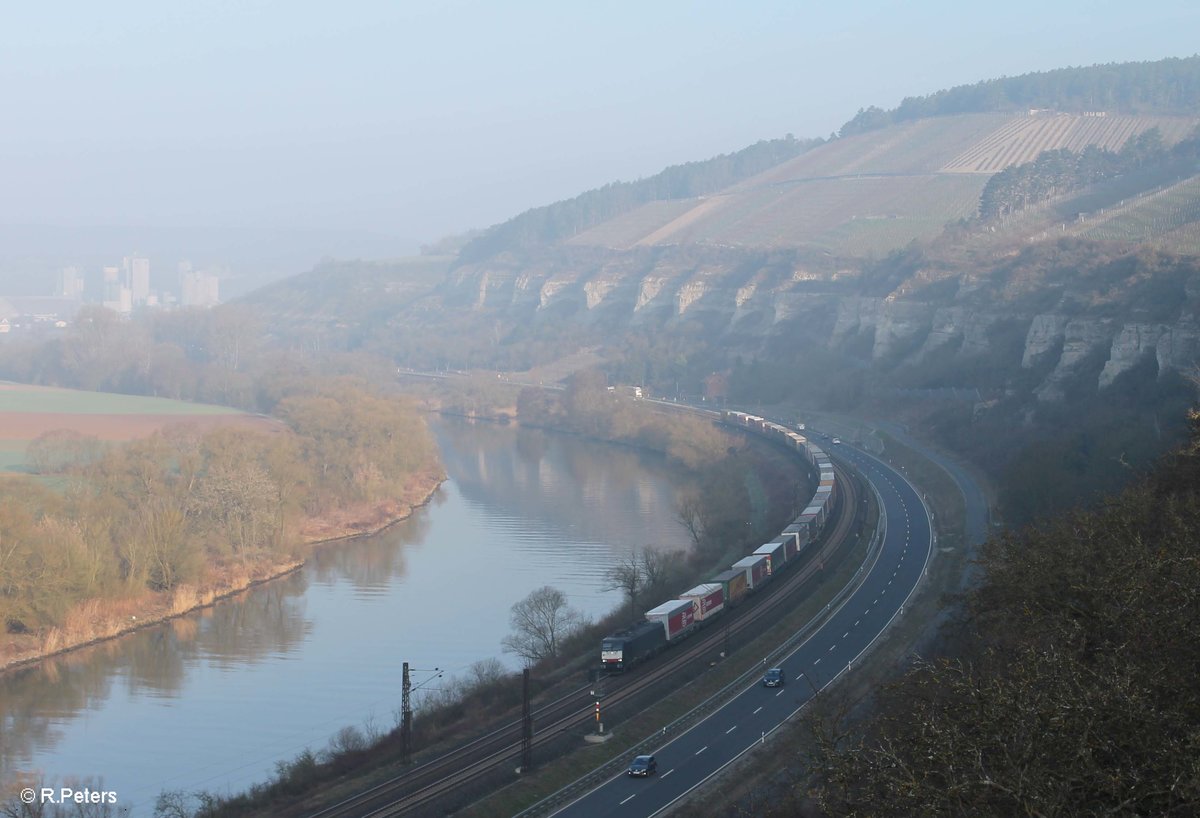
[[623, 410], [123, 288]]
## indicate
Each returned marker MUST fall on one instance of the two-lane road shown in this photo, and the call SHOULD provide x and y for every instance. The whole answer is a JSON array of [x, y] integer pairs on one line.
[[749, 718]]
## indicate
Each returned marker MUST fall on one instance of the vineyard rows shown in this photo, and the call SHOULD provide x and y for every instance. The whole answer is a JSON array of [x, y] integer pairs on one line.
[[1169, 218], [1021, 139], [885, 212], [627, 229], [914, 147], [874, 192]]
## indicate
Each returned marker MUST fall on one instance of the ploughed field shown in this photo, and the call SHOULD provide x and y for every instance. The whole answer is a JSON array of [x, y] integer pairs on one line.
[[26, 412]]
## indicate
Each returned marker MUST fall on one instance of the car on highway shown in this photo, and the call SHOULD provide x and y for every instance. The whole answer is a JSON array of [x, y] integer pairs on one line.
[[837, 441], [642, 766], [775, 677]]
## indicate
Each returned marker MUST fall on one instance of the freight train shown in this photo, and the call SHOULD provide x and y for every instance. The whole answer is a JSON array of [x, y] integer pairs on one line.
[[676, 619]]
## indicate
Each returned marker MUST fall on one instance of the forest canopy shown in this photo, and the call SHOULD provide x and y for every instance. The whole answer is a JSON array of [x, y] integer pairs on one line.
[[1170, 86], [1071, 687]]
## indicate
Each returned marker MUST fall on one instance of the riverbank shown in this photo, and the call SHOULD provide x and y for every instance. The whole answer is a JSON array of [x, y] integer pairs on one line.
[[93, 621]]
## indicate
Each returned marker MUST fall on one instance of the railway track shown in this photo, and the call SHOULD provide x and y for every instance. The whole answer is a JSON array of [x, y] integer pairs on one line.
[[422, 786]]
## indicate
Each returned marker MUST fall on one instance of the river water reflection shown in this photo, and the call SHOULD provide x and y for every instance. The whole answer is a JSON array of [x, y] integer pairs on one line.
[[213, 701]]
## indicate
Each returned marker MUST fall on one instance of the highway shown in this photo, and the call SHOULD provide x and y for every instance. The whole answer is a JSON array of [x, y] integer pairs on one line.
[[750, 717]]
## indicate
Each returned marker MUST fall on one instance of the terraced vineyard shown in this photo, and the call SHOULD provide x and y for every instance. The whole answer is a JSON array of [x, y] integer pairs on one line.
[[629, 228], [1022, 138], [914, 147], [874, 192], [837, 214], [1168, 219]]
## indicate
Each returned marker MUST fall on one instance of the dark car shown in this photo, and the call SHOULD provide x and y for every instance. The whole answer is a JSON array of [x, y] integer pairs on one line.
[[775, 677], [643, 765]]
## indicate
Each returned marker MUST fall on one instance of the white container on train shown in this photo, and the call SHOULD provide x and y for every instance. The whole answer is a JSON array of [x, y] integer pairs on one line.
[[707, 598], [801, 533], [677, 617], [755, 567], [776, 554]]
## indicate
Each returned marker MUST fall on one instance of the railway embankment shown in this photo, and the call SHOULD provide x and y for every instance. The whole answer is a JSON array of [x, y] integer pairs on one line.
[[439, 739]]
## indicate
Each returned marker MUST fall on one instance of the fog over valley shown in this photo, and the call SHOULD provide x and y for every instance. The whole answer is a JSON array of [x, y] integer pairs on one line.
[[637, 409]]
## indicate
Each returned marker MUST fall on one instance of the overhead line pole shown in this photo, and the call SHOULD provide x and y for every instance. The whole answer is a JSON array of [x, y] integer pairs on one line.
[[526, 725]]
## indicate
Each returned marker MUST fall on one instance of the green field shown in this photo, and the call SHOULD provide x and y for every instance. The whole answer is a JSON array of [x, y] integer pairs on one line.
[[24, 398], [27, 412]]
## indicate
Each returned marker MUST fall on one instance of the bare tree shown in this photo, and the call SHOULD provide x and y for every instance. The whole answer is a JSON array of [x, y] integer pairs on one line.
[[627, 575], [540, 622], [689, 511], [657, 565]]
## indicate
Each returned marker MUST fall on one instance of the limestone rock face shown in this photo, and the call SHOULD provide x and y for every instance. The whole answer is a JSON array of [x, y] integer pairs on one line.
[[648, 291], [1045, 335], [960, 327], [689, 294], [1179, 347], [596, 290], [901, 323], [748, 300], [855, 315], [1080, 338], [1131, 344]]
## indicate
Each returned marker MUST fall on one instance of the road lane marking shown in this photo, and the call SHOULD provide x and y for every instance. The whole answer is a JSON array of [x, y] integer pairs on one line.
[[856, 621], [630, 798], [831, 647], [846, 634], [702, 749], [780, 693], [817, 662], [731, 729], [668, 772], [755, 713]]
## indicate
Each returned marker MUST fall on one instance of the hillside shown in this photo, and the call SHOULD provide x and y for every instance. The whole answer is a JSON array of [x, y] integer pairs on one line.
[[1069, 685], [869, 194], [1170, 86], [856, 274]]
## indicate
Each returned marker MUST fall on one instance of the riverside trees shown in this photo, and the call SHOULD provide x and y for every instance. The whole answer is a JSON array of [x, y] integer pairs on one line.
[[541, 622], [179, 506]]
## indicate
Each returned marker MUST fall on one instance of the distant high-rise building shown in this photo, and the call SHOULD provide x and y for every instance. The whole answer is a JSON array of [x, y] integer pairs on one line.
[[71, 283], [199, 289], [139, 278], [111, 296]]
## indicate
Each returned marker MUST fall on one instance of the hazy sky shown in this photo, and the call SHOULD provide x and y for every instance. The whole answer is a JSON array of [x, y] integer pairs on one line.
[[415, 120]]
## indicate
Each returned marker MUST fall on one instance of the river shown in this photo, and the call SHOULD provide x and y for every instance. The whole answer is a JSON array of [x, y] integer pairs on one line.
[[212, 701]]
